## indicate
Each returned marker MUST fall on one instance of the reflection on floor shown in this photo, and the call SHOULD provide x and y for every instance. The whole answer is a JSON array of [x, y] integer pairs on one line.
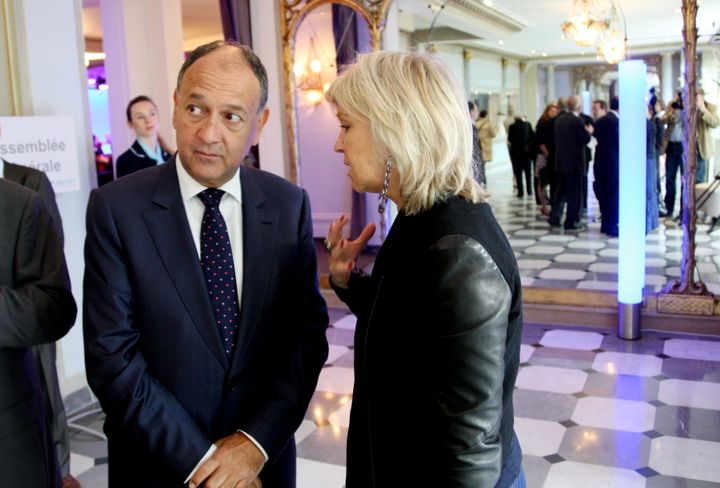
[[554, 258], [590, 408]]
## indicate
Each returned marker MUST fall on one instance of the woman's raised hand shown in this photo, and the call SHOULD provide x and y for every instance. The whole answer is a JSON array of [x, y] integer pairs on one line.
[[343, 253]]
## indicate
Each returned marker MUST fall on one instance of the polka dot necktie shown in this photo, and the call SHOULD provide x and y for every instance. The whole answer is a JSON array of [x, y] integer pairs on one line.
[[217, 263]]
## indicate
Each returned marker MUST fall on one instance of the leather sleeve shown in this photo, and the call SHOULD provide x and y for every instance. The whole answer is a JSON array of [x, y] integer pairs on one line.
[[358, 295], [467, 322]]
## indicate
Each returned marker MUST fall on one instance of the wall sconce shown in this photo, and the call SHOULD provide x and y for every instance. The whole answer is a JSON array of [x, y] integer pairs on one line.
[[310, 76]]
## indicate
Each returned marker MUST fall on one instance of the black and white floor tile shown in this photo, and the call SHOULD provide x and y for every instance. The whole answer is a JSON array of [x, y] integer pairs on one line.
[[587, 260], [590, 408]]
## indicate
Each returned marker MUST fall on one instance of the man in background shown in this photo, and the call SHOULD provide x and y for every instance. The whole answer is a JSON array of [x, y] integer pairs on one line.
[[707, 119], [571, 136], [607, 167], [36, 307], [46, 354]]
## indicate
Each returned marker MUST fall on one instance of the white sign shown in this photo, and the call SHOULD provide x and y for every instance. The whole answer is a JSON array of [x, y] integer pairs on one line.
[[45, 143]]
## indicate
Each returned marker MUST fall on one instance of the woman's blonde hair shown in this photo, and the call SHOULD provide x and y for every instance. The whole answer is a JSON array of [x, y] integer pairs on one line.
[[418, 116]]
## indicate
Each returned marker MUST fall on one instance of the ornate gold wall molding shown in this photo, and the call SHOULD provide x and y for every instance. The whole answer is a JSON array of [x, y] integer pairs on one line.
[[10, 76], [292, 12]]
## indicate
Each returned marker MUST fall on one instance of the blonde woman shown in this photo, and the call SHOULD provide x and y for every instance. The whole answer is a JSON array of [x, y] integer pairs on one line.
[[439, 320]]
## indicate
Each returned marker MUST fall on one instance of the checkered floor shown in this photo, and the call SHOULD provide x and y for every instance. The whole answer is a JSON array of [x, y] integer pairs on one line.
[[552, 257], [590, 408]]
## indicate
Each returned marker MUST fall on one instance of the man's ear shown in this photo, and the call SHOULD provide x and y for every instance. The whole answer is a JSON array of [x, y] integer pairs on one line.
[[262, 120]]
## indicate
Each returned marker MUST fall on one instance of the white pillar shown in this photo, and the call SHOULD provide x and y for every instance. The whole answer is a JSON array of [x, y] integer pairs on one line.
[[667, 83], [142, 42], [49, 41], [681, 80], [550, 83], [391, 34], [267, 44]]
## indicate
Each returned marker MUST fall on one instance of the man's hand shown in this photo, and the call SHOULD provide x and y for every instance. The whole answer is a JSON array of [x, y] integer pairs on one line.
[[236, 463]]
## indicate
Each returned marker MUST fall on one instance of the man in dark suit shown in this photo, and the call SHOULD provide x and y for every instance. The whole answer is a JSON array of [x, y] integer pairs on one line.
[[36, 307], [45, 354], [196, 388], [607, 169], [571, 135]]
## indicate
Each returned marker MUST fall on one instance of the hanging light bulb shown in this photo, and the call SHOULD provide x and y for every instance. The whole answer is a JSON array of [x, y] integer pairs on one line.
[[587, 20], [311, 76], [612, 47]]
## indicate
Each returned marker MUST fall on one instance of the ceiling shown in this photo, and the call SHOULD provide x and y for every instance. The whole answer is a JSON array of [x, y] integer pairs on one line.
[[652, 25]]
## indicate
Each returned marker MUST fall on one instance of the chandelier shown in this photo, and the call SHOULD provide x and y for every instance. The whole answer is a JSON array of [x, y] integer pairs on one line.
[[587, 20], [310, 76], [597, 21]]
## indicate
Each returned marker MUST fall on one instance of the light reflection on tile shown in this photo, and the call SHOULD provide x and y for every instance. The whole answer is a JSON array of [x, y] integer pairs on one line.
[[627, 363]]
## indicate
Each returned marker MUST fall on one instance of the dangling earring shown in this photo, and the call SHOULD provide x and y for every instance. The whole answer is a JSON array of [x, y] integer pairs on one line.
[[386, 183]]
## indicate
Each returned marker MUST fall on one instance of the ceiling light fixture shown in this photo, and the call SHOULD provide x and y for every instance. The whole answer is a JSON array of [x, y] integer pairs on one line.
[[597, 21], [587, 20], [613, 44], [311, 76]]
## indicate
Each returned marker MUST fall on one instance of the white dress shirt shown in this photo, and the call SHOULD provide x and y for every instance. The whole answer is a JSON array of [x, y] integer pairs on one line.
[[231, 210]]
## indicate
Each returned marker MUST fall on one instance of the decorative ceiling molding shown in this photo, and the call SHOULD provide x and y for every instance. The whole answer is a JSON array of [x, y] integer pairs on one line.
[[489, 14]]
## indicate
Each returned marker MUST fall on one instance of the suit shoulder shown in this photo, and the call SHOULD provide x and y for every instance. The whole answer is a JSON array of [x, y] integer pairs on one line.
[[12, 191], [137, 183]]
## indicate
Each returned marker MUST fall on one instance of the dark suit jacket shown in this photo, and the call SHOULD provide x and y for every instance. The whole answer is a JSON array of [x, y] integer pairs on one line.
[[135, 159], [37, 181], [36, 306], [607, 153], [45, 354], [570, 140], [154, 356]]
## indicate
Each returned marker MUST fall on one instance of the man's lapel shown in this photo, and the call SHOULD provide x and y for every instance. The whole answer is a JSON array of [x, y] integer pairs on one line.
[[168, 227], [259, 258]]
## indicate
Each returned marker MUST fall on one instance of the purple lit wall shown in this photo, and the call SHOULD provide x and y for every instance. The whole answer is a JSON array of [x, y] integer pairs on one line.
[[98, 101]]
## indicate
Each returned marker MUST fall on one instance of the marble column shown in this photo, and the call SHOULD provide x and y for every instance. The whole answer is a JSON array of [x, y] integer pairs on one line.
[[143, 54]]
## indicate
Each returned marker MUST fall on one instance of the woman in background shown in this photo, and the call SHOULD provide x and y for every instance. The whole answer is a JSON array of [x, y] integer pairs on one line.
[[147, 150], [439, 320]]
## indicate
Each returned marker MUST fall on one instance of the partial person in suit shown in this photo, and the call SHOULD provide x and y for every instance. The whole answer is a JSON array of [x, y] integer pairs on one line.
[[45, 354], [519, 138], [440, 319], [148, 149], [204, 355], [607, 168], [36, 307], [571, 136]]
